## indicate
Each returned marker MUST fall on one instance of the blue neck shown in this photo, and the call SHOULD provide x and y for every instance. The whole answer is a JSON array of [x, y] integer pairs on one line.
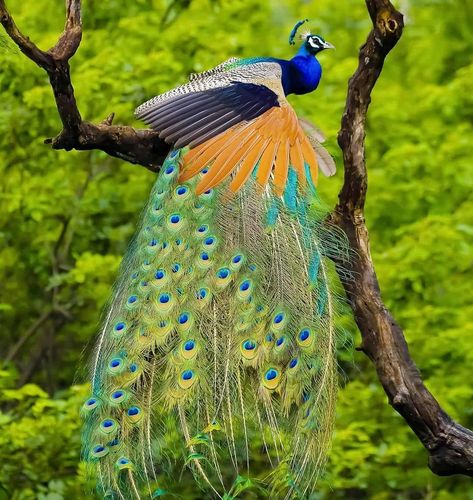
[[302, 73], [303, 52]]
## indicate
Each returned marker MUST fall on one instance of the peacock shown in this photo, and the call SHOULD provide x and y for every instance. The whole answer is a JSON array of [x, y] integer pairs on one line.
[[218, 348]]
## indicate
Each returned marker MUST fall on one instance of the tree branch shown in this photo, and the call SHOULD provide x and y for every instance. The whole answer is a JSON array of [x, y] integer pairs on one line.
[[450, 446], [139, 146]]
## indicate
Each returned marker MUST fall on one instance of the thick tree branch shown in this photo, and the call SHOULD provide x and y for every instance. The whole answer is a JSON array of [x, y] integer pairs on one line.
[[139, 146], [450, 445]]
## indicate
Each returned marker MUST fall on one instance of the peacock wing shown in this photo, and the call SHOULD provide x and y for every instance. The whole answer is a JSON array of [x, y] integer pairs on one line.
[[234, 121]]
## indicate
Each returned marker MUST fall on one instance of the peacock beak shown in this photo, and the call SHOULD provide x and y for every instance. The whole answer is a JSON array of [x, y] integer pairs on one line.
[[328, 45]]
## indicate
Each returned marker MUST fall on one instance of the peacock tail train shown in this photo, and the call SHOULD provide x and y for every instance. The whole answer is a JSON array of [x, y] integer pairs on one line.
[[218, 350], [221, 327]]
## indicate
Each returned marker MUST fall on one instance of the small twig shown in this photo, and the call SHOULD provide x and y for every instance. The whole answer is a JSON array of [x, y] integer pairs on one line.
[[27, 335]]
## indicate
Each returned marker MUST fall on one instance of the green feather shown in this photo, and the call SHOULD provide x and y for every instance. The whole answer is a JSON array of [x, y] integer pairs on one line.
[[221, 326]]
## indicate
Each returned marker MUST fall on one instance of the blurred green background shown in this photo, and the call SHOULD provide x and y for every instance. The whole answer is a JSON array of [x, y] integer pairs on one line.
[[66, 218]]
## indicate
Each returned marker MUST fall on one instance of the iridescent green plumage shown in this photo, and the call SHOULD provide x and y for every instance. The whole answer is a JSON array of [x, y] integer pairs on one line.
[[221, 326], [218, 348]]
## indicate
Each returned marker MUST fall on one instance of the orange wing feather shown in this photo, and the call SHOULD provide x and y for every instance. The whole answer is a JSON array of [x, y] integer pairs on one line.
[[281, 167], [311, 159], [275, 139], [248, 164], [224, 165], [297, 160], [193, 164]]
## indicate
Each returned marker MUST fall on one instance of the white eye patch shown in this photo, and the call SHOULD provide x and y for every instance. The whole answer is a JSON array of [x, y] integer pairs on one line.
[[313, 43]]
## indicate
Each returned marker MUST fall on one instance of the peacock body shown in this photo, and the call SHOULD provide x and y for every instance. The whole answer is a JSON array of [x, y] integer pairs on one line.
[[221, 325]]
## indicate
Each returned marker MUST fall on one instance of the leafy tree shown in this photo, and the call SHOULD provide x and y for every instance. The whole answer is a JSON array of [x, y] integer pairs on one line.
[[65, 219]]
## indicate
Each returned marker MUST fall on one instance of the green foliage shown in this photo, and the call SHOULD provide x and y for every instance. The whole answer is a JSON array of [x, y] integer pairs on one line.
[[66, 218]]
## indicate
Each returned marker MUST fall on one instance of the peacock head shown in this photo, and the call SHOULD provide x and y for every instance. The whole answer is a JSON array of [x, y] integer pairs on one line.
[[312, 43], [315, 44]]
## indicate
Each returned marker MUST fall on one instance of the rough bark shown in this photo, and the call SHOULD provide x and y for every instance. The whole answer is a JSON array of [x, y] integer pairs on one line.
[[450, 446]]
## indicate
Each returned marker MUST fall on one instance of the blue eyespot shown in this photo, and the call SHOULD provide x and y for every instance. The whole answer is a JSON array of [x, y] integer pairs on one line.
[[107, 424], [208, 191], [153, 242], [271, 374], [202, 229], [205, 170], [278, 318], [183, 318], [134, 276], [175, 219], [201, 294], [91, 402], [181, 190], [223, 273], [249, 345], [236, 259], [123, 461], [164, 298], [269, 337], [304, 335], [133, 367], [134, 410], [187, 375], [132, 299], [293, 363], [118, 394], [245, 286], [189, 345], [252, 267], [279, 341], [114, 363], [175, 268], [169, 170], [209, 241], [204, 256], [99, 449], [159, 274], [119, 326]]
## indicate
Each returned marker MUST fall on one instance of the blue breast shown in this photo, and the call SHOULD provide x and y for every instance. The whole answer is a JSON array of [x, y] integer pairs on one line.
[[301, 74]]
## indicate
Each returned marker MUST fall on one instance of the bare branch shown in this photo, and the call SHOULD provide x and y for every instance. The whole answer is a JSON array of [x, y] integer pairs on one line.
[[138, 146], [70, 39], [450, 445]]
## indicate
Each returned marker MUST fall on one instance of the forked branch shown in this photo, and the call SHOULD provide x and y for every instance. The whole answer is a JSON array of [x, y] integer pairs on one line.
[[139, 146]]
